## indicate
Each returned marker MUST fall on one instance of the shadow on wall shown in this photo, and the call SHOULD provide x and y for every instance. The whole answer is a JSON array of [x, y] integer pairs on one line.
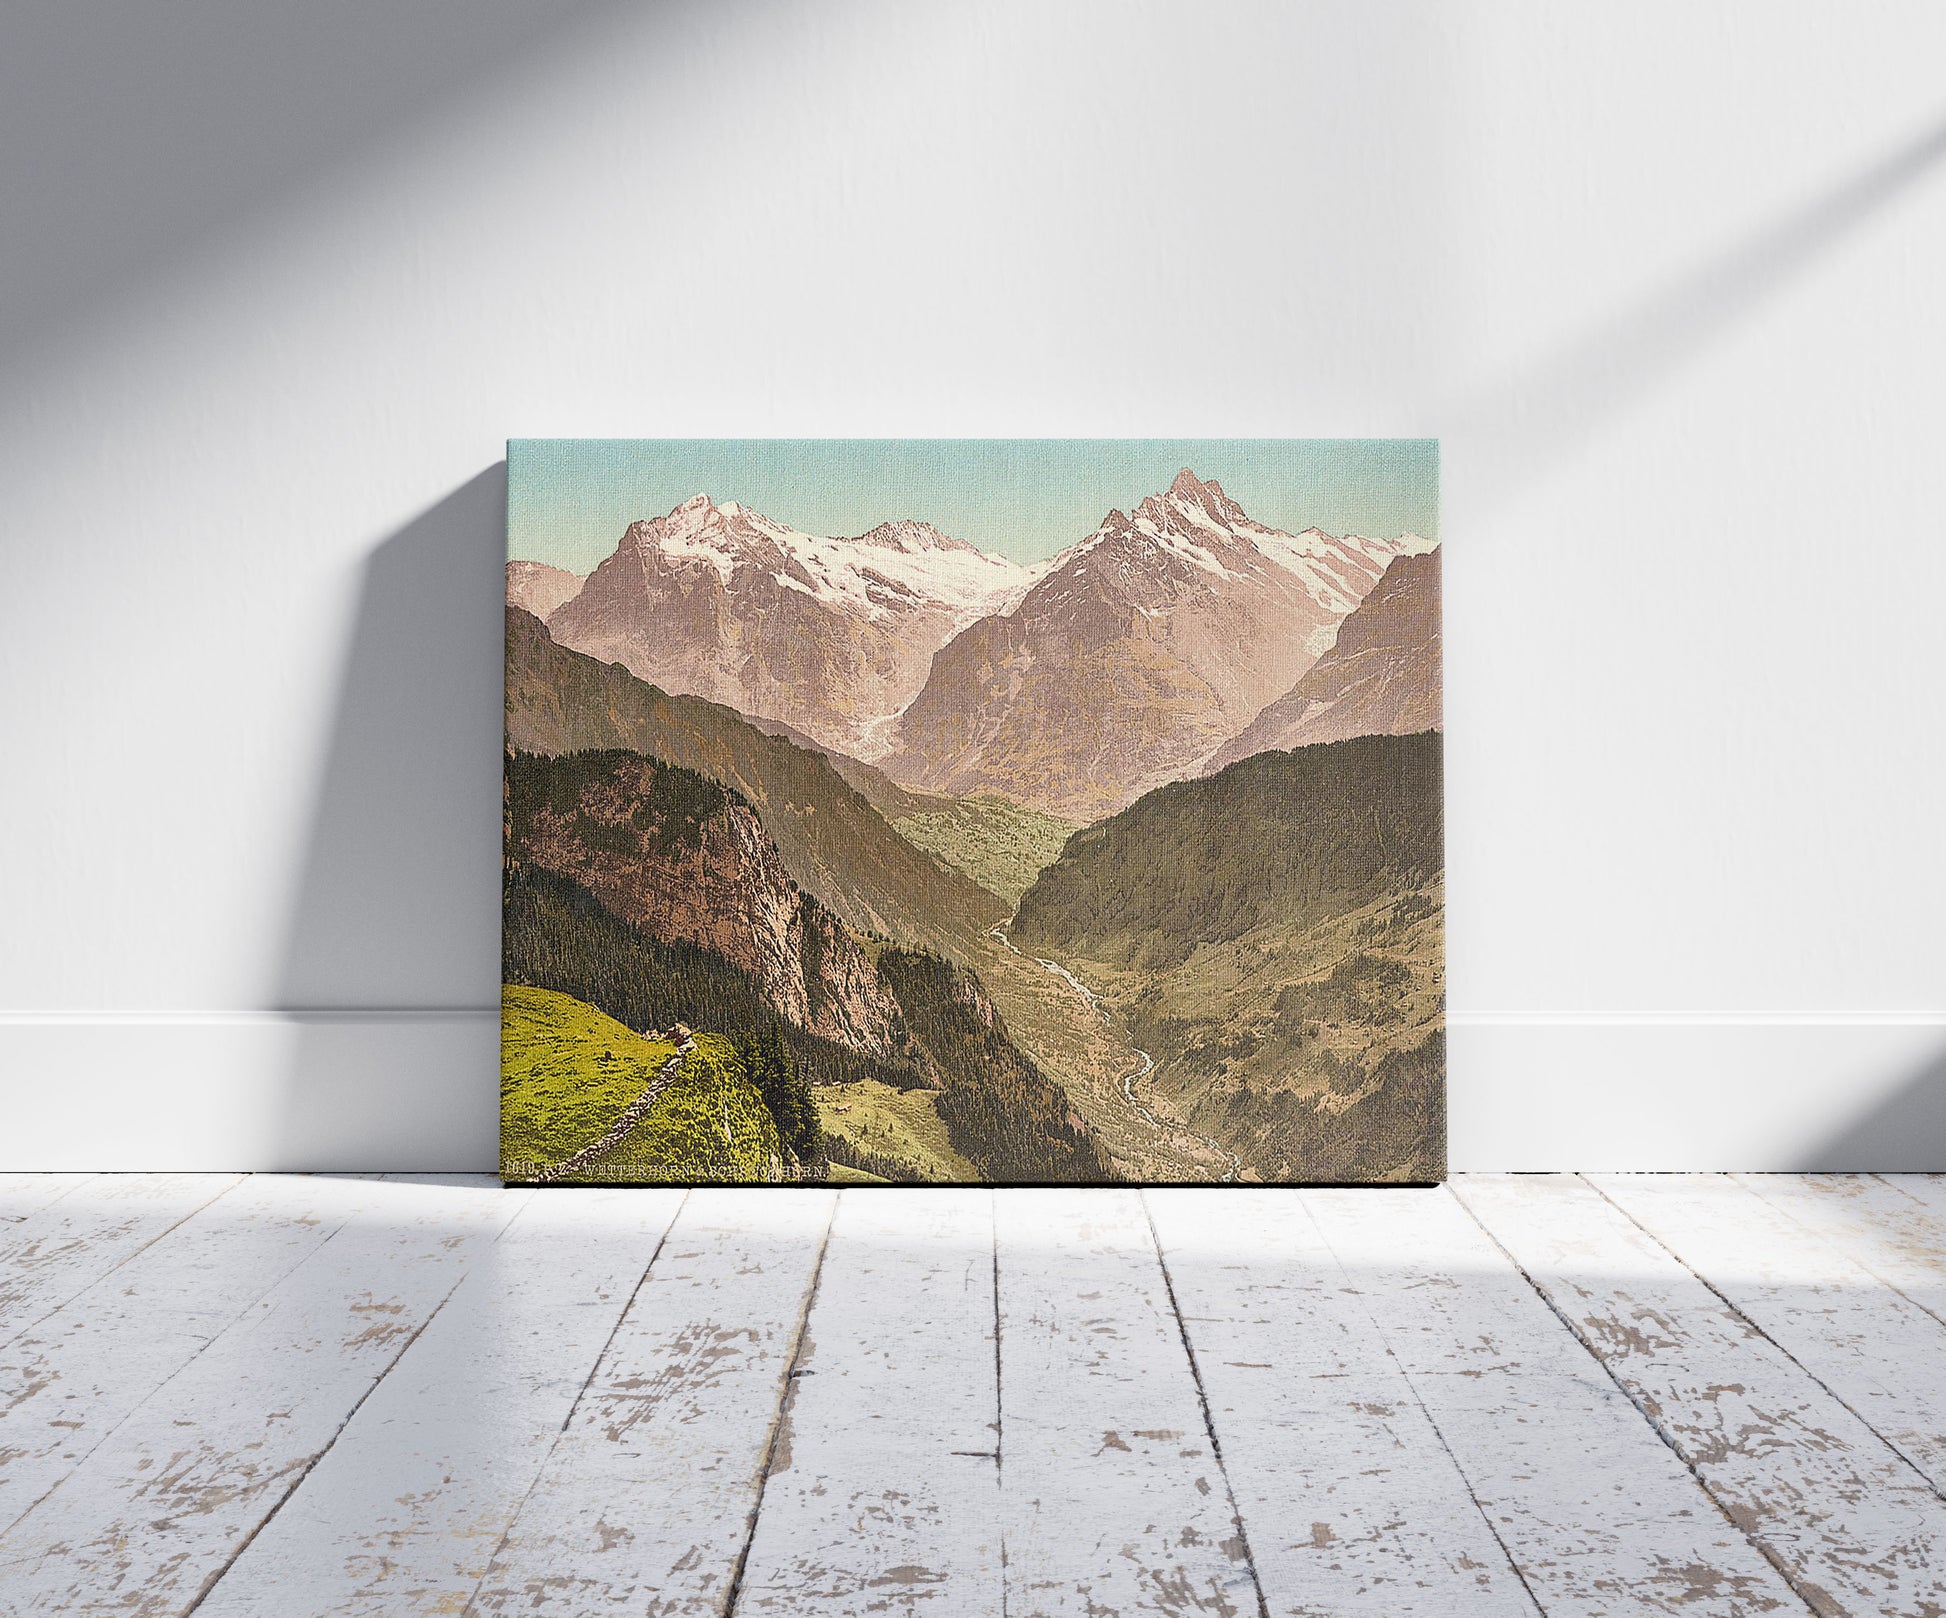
[[1905, 1134], [391, 960], [136, 139]]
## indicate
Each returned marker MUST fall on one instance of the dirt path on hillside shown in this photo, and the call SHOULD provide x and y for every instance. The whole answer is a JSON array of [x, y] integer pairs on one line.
[[632, 1114]]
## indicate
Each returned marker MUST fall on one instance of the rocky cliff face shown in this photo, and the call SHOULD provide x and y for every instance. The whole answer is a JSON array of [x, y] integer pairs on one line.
[[1381, 676], [686, 861], [654, 891], [540, 588], [1141, 651], [832, 636], [833, 842]]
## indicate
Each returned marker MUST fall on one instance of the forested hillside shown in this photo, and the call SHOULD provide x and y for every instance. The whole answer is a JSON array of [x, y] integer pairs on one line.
[[1273, 935], [652, 893], [1282, 837]]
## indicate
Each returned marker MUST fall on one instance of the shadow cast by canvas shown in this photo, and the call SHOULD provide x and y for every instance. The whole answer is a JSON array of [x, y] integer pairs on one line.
[[1905, 1134], [391, 950]]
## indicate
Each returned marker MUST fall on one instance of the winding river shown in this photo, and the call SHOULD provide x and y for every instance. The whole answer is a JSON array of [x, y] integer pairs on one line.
[[1143, 1068]]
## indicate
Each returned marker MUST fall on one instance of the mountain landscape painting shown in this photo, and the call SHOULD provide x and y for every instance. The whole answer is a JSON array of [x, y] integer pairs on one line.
[[973, 811]]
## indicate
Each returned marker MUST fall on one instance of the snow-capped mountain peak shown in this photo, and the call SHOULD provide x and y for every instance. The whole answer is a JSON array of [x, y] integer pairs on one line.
[[831, 634], [909, 534], [896, 566], [1193, 528], [1190, 497], [1163, 632]]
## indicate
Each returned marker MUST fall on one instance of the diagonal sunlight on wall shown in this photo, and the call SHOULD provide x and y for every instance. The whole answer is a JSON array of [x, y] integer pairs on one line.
[[616, 240], [140, 145], [289, 283], [1523, 426]]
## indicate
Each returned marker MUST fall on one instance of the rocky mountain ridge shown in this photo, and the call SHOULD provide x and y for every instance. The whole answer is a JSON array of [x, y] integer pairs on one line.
[[1380, 677], [1137, 654], [835, 843], [540, 587]]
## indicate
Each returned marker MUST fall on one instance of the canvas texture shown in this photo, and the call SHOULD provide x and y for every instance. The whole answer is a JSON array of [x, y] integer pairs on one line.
[[973, 812]]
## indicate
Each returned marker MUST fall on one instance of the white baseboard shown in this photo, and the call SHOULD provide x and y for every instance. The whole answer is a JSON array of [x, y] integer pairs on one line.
[[1698, 1093], [251, 1090], [417, 1090]]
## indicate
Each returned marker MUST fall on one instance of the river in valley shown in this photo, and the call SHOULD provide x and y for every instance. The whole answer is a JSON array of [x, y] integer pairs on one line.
[[1145, 1063]]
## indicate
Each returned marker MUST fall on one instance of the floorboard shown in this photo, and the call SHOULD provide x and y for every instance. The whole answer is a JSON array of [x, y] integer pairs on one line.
[[1597, 1513], [1114, 1499], [23, 1194], [1350, 1501], [1870, 1346], [65, 1245], [70, 1380], [1839, 1511], [405, 1512], [883, 1493], [1894, 1225], [1532, 1396], [647, 1501], [161, 1507]]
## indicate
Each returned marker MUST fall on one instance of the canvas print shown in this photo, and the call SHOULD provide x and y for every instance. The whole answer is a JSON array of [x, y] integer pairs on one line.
[[973, 812]]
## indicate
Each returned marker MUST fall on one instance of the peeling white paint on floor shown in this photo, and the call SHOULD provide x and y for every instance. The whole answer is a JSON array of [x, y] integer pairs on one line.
[[290, 1395]]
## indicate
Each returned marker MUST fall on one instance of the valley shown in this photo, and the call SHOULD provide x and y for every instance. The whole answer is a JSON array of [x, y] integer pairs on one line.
[[1057, 1020], [1292, 1000], [965, 871], [1159, 1137]]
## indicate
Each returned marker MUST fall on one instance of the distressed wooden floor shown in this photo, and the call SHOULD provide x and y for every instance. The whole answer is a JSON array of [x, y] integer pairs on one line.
[[1565, 1395]]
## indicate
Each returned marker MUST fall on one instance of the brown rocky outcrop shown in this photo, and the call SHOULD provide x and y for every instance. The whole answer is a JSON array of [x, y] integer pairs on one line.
[[1381, 676], [688, 862]]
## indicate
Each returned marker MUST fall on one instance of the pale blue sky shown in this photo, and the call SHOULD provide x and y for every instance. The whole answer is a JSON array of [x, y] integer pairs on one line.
[[569, 499]]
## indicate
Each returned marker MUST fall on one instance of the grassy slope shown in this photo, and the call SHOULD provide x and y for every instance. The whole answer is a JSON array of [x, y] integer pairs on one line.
[[1315, 1052], [555, 935], [904, 1125], [567, 1071], [1002, 845]]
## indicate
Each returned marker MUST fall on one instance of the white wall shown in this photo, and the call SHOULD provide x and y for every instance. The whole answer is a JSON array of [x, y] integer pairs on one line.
[[1666, 279]]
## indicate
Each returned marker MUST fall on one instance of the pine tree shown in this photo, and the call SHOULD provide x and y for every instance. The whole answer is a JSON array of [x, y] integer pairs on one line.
[[773, 1073]]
